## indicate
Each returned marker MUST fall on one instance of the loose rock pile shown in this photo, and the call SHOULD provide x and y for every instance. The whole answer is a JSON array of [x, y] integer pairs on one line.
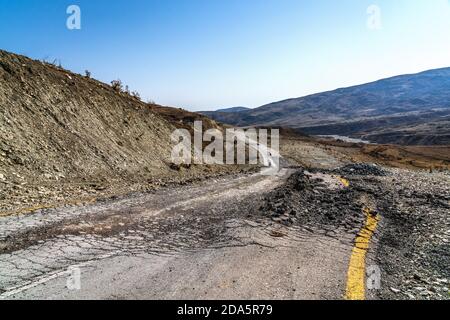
[[307, 201]]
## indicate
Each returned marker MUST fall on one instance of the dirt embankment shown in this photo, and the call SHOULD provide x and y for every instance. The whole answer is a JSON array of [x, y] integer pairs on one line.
[[64, 136]]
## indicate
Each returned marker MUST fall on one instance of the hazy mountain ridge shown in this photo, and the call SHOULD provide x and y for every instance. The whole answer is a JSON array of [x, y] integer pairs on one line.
[[227, 110], [395, 104], [232, 109]]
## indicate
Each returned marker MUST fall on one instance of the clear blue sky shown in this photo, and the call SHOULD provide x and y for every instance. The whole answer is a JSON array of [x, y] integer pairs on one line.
[[207, 54]]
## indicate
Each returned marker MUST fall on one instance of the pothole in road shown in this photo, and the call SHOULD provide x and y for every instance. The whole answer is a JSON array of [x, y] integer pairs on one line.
[[321, 199]]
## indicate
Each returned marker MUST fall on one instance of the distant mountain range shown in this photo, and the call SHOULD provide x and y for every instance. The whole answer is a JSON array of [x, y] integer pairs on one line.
[[233, 109], [406, 109]]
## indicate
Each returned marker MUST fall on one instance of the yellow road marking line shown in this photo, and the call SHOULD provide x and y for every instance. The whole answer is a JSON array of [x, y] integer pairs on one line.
[[356, 276], [345, 182]]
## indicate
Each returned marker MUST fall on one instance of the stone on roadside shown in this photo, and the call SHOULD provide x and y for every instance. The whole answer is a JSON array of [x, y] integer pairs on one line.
[[394, 290]]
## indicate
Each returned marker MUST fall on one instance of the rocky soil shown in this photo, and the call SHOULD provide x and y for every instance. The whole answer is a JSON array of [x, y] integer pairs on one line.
[[414, 247], [411, 245]]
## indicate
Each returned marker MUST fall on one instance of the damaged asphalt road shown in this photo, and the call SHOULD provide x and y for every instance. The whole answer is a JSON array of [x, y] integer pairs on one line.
[[139, 247], [411, 245], [246, 237]]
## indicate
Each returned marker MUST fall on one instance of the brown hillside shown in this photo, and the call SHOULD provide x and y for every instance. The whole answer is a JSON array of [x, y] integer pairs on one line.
[[64, 135]]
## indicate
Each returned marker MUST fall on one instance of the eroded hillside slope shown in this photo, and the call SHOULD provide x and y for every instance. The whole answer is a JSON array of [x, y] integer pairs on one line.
[[62, 134]]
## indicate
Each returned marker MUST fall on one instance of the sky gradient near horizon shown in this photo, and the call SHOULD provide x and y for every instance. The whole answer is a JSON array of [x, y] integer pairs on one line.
[[210, 54]]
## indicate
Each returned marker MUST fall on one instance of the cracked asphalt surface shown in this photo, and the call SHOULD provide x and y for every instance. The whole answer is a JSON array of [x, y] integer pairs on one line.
[[288, 236], [189, 242]]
